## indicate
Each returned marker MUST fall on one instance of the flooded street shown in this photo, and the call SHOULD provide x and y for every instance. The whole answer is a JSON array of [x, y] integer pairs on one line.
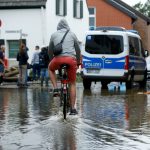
[[31, 119]]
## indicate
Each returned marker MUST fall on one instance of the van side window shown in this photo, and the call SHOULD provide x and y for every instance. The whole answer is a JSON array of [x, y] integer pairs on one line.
[[134, 47]]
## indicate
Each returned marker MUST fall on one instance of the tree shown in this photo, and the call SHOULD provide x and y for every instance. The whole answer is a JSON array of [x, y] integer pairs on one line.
[[143, 8]]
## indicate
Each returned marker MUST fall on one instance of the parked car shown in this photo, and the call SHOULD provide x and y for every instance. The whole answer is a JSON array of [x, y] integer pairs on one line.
[[113, 54]]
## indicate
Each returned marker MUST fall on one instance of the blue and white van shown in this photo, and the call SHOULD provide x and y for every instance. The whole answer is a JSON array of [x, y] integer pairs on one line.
[[113, 54]]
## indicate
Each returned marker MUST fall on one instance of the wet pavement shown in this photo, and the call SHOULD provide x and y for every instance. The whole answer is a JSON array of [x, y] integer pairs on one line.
[[31, 119]]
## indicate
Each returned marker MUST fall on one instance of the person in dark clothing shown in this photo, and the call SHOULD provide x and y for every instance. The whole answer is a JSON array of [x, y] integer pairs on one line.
[[2, 65], [22, 58], [44, 61]]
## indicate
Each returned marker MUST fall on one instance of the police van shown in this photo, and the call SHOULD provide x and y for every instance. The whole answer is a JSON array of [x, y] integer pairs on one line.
[[113, 54]]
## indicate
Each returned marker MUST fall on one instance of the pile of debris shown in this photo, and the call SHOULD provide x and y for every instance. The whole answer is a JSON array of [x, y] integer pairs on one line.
[[11, 74]]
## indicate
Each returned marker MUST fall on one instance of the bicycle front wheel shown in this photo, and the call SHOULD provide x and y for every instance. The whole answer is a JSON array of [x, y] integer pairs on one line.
[[65, 105]]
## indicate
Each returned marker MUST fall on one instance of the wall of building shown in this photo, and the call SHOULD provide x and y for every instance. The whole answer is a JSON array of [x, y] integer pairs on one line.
[[27, 20], [39, 24], [141, 26], [107, 15], [78, 26], [148, 40]]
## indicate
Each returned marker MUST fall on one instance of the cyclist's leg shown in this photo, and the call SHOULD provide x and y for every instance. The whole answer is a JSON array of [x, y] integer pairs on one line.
[[72, 80], [53, 78], [72, 94], [54, 65]]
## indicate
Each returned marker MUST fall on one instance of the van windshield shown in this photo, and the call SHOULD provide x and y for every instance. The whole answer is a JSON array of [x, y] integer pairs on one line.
[[104, 44]]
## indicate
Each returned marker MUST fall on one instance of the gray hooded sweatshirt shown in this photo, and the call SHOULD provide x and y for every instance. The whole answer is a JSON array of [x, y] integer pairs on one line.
[[70, 44]]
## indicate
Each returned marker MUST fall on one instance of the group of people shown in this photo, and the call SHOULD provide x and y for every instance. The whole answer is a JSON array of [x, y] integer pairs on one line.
[[39, 65], [39, 62], [70, 55]]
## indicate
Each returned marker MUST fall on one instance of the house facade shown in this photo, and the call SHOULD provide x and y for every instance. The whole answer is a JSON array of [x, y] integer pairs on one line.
[[110, 13], [142, 25], [118, 13], [34, 21]]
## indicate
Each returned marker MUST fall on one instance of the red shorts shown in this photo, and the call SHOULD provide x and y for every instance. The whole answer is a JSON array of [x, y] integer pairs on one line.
[[71, 71]]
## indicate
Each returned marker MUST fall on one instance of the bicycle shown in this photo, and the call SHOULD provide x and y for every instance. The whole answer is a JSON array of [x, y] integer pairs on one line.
[[64, 91]]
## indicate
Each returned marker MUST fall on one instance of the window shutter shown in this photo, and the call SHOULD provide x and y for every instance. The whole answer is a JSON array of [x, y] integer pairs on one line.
[[65, 8], [74, 8], [81, 9], [57, 7]]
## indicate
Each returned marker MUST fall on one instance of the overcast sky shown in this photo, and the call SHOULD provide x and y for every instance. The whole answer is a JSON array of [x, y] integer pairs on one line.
[[133, 2]]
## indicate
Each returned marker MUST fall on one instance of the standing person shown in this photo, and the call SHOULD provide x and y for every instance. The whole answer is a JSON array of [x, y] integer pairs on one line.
[[2, 63], [35, 63], [70, 55], [27, 49], [44, 61], [22, 58]]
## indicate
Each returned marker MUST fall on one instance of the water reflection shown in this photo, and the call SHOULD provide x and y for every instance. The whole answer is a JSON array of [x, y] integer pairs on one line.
[[136, 107], [106, 120], [105, 108], [23, 107], [116, 109], [41, 104]]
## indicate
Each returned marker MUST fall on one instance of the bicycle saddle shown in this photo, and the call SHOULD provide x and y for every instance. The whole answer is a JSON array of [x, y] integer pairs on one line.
[[64, 66]]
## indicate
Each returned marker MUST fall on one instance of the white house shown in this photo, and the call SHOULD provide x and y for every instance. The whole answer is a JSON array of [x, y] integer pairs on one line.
[[35, 20]]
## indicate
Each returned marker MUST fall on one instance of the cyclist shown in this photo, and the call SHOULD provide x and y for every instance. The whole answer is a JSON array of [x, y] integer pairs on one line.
[[70, 55]]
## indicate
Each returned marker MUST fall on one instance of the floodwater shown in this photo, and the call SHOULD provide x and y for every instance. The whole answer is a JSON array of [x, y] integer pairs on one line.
[[31, 119]]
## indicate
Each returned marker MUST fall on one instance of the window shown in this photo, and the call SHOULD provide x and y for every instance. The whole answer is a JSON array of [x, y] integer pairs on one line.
[[78, 9], [13, 46], [92, 16], [61, 7], [2, 42], [104, 44], [134, 46]]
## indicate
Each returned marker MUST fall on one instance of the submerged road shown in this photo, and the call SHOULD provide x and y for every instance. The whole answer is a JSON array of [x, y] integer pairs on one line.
[[31, 119]]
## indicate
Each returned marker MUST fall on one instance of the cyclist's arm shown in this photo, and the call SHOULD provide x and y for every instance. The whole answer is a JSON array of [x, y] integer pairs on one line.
[[77, 49]]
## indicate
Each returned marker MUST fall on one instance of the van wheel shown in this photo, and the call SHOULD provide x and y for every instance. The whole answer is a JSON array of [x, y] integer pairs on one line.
[[86, 84], [144, 82], [104, 85], [129, 84]]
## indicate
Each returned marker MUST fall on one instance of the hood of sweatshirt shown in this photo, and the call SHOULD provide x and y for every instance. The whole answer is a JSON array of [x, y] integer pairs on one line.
[[63, 25]]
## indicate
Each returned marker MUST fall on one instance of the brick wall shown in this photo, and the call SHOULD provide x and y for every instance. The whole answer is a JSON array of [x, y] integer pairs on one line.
[[107, 15], [148, 40], [141, 26]]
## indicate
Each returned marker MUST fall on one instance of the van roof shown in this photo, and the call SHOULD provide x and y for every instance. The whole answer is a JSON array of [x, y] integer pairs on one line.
[[112, 30]]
